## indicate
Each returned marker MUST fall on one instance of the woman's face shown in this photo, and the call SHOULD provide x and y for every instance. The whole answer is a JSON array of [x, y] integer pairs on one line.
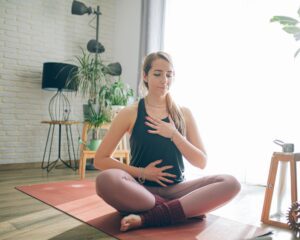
[[159, 77]]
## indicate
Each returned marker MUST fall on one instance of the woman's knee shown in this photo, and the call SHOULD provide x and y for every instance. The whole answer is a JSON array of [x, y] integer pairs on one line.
[[232, 185], [108, 180]]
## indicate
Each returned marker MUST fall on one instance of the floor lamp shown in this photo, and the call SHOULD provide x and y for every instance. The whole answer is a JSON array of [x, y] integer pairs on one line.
[[55, 77], [93, 45], [79, 8]]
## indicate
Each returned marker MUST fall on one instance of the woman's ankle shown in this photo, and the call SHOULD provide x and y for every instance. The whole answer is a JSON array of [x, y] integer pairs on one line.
[[164, 214]]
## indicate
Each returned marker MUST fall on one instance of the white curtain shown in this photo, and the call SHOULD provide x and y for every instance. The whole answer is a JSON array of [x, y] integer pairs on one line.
[[235, 70], [152, 29]]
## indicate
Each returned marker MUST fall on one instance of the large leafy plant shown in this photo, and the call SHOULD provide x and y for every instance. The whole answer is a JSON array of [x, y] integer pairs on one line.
[[91, 76], [98, 116], [290, 25], [117, 93]]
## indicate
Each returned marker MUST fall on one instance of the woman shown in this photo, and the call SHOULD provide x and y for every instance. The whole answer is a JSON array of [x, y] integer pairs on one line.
[[152, 191]]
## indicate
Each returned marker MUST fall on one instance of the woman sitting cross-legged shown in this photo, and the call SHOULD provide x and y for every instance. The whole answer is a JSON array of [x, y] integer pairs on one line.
[[152, 191]]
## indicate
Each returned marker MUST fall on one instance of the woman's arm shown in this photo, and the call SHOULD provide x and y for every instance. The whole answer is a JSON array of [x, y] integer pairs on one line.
[[191, 147], [120, 125]]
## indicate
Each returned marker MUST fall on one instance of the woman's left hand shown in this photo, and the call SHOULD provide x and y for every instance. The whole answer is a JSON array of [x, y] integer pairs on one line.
[[160, 127]]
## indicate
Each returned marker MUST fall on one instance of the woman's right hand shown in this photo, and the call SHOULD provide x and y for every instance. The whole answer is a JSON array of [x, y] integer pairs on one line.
[[157, 174]]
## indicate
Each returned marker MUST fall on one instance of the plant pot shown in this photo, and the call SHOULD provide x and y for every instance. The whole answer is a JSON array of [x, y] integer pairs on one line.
[[94, 144]]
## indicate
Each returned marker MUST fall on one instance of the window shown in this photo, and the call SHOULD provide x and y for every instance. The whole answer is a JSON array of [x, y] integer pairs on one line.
[[235, 70]]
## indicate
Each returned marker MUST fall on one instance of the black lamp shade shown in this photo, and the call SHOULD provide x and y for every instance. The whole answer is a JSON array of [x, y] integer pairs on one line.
[[56, 76], [79, 8], [114, 69], [93, 46]]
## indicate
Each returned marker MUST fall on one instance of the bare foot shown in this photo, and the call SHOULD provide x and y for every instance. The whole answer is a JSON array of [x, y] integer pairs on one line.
[[130, 222]]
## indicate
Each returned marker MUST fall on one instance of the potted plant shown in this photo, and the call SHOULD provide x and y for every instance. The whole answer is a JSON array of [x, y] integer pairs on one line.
[[289, 26], [116, 95], [96, 119], [91, 76], [120, 93]]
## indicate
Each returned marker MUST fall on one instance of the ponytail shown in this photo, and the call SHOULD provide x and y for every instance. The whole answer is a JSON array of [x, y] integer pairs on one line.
[[176, 114]]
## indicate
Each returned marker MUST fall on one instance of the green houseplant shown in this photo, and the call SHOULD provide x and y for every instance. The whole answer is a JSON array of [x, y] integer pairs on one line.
[[116, 95], [98, 116], [93, 75], [290, 26], [120, 93]]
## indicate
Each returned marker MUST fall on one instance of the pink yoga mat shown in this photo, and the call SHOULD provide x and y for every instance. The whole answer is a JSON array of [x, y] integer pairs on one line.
[[79, 200]]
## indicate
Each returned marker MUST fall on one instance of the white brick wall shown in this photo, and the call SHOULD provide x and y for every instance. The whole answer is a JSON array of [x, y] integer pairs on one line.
[[33, 32]]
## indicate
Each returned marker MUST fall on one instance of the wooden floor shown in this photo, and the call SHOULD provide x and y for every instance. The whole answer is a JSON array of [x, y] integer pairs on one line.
[[22, 217]]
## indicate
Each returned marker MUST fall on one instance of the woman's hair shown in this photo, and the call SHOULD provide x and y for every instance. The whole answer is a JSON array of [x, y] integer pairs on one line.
[[173, 109]]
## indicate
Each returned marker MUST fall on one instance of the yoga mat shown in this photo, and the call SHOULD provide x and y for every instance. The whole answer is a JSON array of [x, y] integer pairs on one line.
[[79, 200]]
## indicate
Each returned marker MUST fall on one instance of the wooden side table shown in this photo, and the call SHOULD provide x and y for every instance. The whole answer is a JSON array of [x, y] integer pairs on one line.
[[49, 165], [290, 158]]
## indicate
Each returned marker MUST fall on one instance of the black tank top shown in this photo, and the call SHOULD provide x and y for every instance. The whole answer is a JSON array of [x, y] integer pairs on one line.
[[147, 148]]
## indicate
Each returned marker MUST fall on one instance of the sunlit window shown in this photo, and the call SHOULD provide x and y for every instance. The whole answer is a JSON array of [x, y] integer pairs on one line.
[[235, 70]]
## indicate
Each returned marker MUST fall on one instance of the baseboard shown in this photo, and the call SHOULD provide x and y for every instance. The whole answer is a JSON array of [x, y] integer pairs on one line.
[[16, 166]]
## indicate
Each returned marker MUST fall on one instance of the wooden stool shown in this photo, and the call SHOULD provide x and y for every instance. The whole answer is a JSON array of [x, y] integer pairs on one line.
[[291, 158]]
